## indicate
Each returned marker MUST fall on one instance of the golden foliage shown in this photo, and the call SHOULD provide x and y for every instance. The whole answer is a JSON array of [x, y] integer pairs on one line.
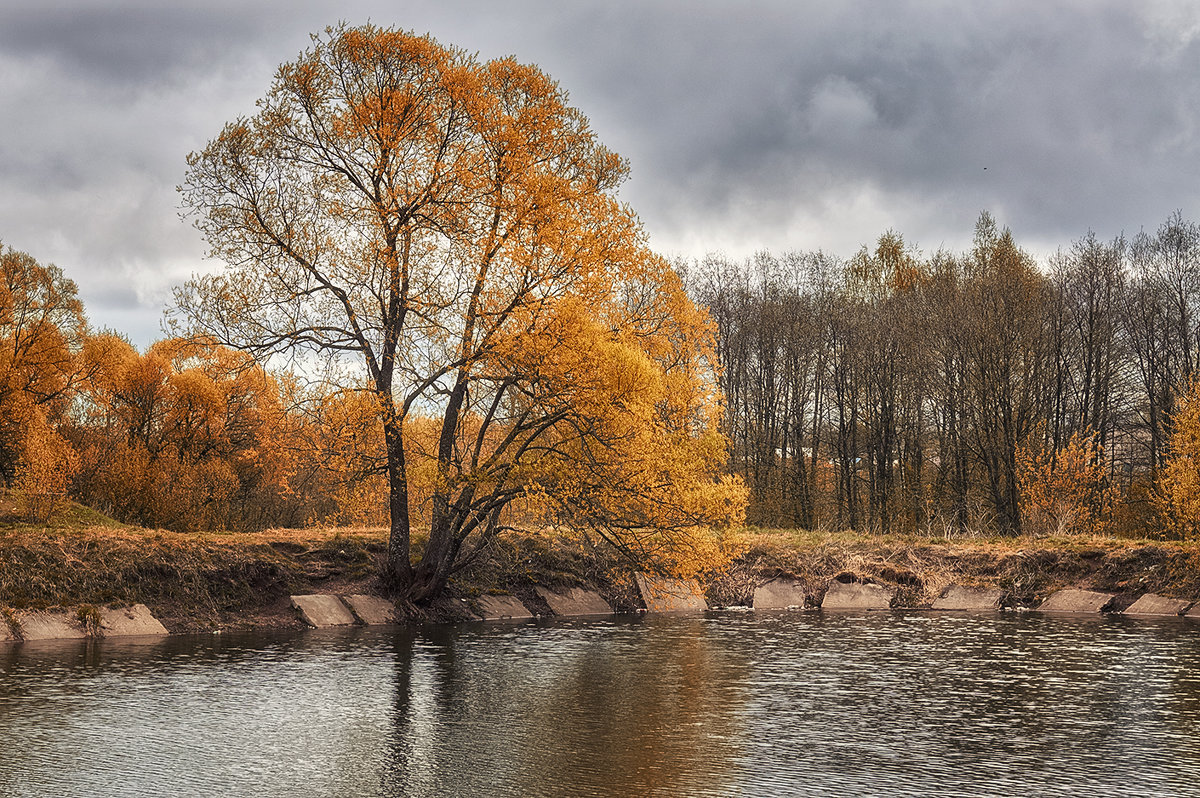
[[44, 470], [41, 326], [1177, 498], [188, 436], [340, 473], [1066, 492], [635, 453], [446, 231]]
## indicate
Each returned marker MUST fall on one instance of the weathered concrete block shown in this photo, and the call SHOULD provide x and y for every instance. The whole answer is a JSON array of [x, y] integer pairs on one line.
[[459, 609], [322, 610], [857, 596], [1154, 604], [969, 599], [574, 601], [1072, 600], [58, 625], [662, 594], [129, 621], [371, 610], [498, 608], [779, 594]]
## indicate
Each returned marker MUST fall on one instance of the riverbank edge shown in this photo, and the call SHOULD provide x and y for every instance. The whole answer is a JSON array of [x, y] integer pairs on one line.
[[206, 583]]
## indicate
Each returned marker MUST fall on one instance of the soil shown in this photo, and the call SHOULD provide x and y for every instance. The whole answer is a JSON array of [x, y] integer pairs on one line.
[[242, 581], [1025, 570]]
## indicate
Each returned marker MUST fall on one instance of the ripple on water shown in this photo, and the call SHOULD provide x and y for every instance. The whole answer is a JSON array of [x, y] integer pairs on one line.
[[723, 705]]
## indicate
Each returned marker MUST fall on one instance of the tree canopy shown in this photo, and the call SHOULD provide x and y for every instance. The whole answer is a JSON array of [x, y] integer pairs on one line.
[[450, 228], [42, 328]]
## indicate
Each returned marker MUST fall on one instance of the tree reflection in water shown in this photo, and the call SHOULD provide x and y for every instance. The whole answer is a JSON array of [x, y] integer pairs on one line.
[[807, 704], [606, 708]]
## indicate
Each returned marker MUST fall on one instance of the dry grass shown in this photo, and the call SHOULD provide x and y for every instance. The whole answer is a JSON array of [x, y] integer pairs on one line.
[[211, 580], [520, 561], [196, 581], [920, 568]]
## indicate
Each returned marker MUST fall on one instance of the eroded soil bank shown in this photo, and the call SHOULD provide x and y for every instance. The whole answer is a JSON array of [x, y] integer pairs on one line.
[[211, 582], [1026, 570]]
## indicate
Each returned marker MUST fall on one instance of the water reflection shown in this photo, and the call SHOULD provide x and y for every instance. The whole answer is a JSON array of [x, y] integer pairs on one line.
[[617, 708], [729, 704]]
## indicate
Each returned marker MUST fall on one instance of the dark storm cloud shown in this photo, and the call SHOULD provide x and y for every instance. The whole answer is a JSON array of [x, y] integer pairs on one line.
[[766, 124], [1083, 116], [115, 49]]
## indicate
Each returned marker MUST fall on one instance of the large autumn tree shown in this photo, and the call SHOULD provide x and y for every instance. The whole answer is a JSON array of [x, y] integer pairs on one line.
[[450, 229]]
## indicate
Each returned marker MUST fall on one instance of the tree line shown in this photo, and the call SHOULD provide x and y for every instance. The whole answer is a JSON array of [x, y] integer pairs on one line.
[[955, 392], [188, 435], [192, 435], [950, 393]]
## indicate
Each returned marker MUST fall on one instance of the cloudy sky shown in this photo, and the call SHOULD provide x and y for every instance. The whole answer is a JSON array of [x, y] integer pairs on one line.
[[749, 125]]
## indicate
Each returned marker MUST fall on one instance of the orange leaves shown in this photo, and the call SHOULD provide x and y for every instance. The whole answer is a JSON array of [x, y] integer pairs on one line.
[[190, 435], [41, 327], [1067, 491], [1178, 496], [47, 463], [638, 456], [341, 451], [450, 227]]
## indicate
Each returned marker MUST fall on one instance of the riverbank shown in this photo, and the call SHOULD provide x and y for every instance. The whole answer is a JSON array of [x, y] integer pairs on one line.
[[1026, 570], [206, 582]]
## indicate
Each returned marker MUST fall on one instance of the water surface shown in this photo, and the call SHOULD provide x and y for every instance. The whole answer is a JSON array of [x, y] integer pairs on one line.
[[727, 704]]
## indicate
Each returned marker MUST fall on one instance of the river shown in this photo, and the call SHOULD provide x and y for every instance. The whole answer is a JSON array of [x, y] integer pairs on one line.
[[725, 704]]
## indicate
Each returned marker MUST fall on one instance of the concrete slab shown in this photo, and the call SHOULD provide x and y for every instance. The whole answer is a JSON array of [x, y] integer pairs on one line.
[[459, 609], [1072, 600], [129, 622], [499, 608], [857, 596], [779, 594], [321, 610], [371, 610], [42, 625], [1154, 604], [968, 599], [663, 594], [574, 601]]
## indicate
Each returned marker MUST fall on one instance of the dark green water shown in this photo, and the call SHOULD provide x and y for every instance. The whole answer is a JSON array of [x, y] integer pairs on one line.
[[730, 704]]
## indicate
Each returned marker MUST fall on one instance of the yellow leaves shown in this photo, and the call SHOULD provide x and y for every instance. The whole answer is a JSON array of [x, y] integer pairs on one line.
[[1178, 496], [41, 326], [1067, 491], [187, 425], [452, 224], [639, 455], [44, 471], [342, 447]]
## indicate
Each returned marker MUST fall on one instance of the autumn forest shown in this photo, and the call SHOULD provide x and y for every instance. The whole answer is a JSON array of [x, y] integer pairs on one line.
[[435, 316], [952, 393]]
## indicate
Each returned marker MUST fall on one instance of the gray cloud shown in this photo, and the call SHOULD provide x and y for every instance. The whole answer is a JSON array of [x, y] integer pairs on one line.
[[768, 124]]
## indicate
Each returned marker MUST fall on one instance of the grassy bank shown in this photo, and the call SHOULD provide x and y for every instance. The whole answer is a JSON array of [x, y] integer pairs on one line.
[[191, 581], [208, 581], [920, 568]]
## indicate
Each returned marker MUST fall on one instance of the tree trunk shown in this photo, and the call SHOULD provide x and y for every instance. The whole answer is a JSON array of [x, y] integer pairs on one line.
[[399, 539]]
